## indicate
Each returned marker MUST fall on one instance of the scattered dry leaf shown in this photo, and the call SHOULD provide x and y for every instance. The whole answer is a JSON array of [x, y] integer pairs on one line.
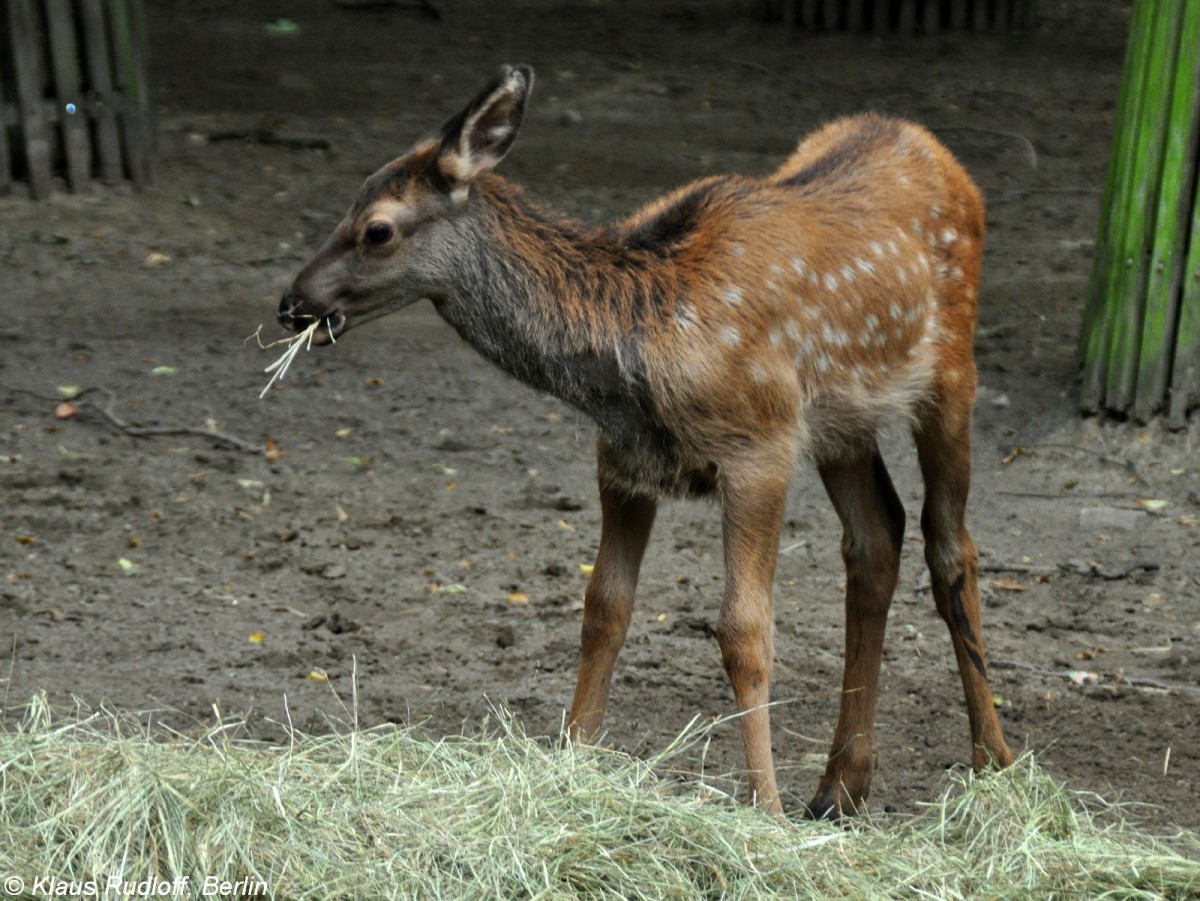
[[1008, 585], [256, 638], [518, 597], [273, 452], [1150, 505], [65, 410], [26, 539], [317, 675], [342, 515], [343, 433], [586, 568], [154, 259], [1012, 455], [1189, 522]]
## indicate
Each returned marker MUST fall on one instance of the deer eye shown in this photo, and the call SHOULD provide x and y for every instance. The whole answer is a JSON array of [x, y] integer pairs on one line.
[[378, 233]]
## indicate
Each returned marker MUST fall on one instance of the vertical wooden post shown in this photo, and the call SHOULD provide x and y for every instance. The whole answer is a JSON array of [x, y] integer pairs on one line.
[[931, 16], [1096, 334], [1172, 211], [1185, 367], [72, 116], [5, 168], [26, 38], [1150, 140], [131, 80], [102, 100], [855, 13]]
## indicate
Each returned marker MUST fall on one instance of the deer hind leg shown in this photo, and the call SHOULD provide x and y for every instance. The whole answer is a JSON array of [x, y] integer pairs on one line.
[[607, 604], [753, 500], [872, 534], [944, 450]]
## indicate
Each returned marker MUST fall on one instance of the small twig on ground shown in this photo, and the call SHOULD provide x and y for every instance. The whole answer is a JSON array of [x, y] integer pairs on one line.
[[135, 431], [424, 7], [1102, 679], [1052, 496], [1111, 573], [1127, 465], [1025, 568], [269, 136]]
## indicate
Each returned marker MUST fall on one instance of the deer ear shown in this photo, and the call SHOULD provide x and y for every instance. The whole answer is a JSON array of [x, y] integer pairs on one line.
[[475, 140]]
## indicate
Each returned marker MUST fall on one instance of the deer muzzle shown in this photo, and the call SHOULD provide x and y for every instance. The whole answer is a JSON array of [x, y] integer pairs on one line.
[[296, 313]]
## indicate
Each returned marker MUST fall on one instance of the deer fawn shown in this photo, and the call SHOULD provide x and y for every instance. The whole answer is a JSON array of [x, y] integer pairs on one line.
[[716, 337]]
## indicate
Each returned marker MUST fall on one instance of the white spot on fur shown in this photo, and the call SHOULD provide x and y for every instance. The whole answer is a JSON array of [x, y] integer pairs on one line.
[[799, 266], [865, 265], [877, 249], [831, 282], [737, 250], [685, 317], [894, 248], [732, 295], [792, 327], [757, 372], [935, 212], [848, 274], [949, 236], [731, 336], [775, 339], [902, 275]]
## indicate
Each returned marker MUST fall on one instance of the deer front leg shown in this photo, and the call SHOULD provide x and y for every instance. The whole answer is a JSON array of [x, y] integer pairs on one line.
[[752, 513], [607, 604]]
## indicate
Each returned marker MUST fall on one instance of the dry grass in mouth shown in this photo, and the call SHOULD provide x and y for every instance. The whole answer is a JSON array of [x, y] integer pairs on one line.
[[297, 342]]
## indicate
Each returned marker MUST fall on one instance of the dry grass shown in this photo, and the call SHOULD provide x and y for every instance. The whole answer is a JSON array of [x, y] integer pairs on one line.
[[389, 813]]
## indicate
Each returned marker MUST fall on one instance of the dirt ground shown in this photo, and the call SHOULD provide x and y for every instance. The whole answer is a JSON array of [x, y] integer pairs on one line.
[[424, 519]]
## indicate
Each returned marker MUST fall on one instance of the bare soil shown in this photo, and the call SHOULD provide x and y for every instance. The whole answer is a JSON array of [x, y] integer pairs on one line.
[[405, 467]]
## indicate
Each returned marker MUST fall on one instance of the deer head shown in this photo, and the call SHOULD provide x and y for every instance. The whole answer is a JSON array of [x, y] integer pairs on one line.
[[402, 236]]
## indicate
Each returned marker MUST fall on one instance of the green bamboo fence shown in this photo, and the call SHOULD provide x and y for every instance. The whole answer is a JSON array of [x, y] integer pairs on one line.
[[1140, 341]]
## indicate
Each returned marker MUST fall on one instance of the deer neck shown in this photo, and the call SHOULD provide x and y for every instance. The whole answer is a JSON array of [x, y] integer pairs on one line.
[[555, 304]]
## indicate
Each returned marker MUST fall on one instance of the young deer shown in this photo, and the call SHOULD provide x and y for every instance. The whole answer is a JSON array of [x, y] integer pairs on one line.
[[716, 337]]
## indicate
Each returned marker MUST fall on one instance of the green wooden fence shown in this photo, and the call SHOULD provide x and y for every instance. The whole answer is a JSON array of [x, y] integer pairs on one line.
[[1140, 342], [74, 100]]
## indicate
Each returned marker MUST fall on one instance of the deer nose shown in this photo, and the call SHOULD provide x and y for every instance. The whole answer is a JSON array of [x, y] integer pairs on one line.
[[288, 304]]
